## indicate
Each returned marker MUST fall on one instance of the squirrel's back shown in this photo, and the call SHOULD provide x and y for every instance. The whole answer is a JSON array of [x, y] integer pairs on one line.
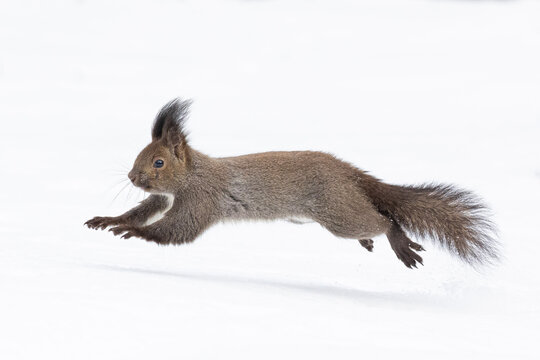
[[292, 183]]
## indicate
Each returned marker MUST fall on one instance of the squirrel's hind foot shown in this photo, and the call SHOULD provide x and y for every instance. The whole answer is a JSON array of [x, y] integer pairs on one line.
[[404, 247], [367, 243]]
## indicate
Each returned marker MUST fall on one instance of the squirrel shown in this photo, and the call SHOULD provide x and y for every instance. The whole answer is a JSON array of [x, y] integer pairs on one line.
[[191, 191]]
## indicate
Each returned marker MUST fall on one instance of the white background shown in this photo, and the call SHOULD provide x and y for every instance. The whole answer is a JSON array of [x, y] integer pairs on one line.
[[413, 91]]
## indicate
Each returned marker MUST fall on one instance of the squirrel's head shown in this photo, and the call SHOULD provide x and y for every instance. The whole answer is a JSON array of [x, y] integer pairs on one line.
[[161, 166]]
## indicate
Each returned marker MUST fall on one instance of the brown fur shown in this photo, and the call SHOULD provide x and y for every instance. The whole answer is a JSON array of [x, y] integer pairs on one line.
[[284, 185]]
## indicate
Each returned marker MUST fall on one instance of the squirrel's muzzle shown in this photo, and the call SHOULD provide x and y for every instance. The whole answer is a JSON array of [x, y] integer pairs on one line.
[[138, 179]]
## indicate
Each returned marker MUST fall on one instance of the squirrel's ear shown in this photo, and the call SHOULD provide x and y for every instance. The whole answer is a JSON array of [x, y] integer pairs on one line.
[[169, 125], [171, 116], [178, 144]]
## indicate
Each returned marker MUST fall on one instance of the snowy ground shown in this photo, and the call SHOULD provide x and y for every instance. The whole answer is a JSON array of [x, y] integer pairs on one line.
[[413, 91]]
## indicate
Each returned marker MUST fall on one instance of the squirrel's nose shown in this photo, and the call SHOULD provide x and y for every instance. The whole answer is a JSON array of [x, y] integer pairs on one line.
[[132, 177]]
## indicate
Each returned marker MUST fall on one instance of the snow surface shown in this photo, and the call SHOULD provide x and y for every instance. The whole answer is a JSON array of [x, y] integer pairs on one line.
[[412, 91]]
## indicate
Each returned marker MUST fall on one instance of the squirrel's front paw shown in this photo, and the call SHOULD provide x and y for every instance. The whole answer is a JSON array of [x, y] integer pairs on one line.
[[100, 222], [126, 230]]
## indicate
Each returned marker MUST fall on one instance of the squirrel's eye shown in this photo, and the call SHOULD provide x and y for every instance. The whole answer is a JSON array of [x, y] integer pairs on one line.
[[158, 163]]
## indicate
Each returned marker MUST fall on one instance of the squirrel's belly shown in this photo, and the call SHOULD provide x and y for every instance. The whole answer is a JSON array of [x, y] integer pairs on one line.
[[300, 220]]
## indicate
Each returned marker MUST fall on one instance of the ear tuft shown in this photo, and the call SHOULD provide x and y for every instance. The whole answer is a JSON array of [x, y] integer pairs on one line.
[[171, 118]]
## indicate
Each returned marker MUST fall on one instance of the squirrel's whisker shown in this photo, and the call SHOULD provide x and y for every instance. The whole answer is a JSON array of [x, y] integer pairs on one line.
[[129, 194], [122, 189]]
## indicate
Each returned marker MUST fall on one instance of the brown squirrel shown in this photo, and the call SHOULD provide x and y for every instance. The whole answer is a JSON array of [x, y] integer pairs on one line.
[[192, 191]]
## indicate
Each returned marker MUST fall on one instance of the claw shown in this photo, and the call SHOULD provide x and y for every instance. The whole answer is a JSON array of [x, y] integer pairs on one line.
[[118, 230], [416, 246], [407, 256], [404, 248], [101, 223]]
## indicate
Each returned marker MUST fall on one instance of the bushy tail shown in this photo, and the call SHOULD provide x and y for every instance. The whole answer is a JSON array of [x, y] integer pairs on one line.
[[456, 218]]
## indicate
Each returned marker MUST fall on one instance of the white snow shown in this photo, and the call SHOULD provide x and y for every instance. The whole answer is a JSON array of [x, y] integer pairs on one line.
[[413, 91]]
